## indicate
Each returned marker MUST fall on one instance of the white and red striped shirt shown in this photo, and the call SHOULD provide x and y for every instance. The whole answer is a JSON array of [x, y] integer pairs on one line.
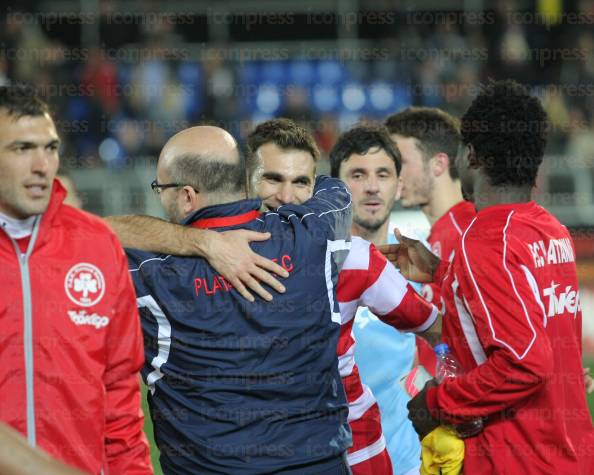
[[367, 279]]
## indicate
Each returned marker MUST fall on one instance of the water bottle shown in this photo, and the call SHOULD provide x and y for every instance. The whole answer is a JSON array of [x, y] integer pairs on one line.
[[448, 367]]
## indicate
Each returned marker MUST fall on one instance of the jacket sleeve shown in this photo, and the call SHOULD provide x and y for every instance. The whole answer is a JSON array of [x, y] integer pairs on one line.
[[126, 446], [327, 215], [499, 296]]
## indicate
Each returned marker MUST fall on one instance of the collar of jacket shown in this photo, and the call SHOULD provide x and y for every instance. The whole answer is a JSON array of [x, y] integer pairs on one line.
[[224, 215], [48, 218], [58, 194]]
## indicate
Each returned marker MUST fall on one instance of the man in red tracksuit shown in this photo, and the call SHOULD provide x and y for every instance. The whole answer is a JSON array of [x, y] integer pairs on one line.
[[70, 345], [513, 311]]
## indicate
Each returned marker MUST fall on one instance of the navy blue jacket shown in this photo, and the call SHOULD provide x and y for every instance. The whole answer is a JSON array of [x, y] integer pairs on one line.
[[249, 388]]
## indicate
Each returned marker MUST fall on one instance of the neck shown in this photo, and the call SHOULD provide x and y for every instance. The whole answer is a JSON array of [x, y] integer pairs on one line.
[[377, 237], [487, 195], [17, 228], [446, 194], [212, 199], [222, 199]]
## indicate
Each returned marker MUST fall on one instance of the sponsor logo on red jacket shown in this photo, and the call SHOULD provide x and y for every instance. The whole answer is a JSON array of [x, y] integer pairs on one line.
[[81, 318], [562, 300]]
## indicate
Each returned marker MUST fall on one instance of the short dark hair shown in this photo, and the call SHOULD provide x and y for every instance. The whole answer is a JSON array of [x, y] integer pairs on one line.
[[209, 175], [284, 133], [360, 139], [21, 100], [435, 130], [508, 129]]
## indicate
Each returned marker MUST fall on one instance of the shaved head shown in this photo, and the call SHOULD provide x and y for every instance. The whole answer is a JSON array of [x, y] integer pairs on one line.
[[208, 142], [206, 164]]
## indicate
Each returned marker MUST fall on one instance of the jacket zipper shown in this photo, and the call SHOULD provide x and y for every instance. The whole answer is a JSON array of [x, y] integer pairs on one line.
[[28, 330]]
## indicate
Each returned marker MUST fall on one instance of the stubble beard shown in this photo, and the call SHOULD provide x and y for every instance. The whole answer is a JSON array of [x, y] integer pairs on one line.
[[172, 213], [373, 224], [422, 196]]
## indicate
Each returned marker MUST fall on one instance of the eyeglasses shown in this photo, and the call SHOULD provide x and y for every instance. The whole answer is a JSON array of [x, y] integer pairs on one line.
[[157, 187]]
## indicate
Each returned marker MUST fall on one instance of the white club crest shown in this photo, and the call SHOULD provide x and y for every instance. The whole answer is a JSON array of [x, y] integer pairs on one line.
[[84, 284]]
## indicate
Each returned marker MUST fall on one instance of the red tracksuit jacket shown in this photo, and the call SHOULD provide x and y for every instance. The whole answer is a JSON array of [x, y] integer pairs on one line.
[[71, 345], [513, 319]]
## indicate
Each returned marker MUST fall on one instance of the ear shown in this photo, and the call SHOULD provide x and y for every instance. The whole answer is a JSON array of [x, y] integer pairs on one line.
[[189, 199], [441, 164], [398, 189]]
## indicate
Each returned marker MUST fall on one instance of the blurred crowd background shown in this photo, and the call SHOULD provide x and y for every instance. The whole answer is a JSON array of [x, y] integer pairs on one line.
[[123, 76]]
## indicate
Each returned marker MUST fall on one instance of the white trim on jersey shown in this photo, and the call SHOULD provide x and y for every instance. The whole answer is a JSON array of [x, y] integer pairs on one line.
[[516, 290], [487, 313], [163, 338], [468, 328], [368, 452], [348, 310], [331, 247], [346, 361], [451, 215], [161, 259], [534, 286], [361, 405]]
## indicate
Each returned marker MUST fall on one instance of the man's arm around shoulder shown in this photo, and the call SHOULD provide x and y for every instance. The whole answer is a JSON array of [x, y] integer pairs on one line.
[[228, 252], [327, 214]]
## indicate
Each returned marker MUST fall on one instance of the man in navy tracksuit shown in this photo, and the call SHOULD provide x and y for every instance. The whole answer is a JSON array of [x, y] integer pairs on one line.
[[240, 387]]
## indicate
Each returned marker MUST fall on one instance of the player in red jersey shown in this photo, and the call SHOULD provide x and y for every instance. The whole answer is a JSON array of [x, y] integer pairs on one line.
[[513, 305], [428, 139]]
